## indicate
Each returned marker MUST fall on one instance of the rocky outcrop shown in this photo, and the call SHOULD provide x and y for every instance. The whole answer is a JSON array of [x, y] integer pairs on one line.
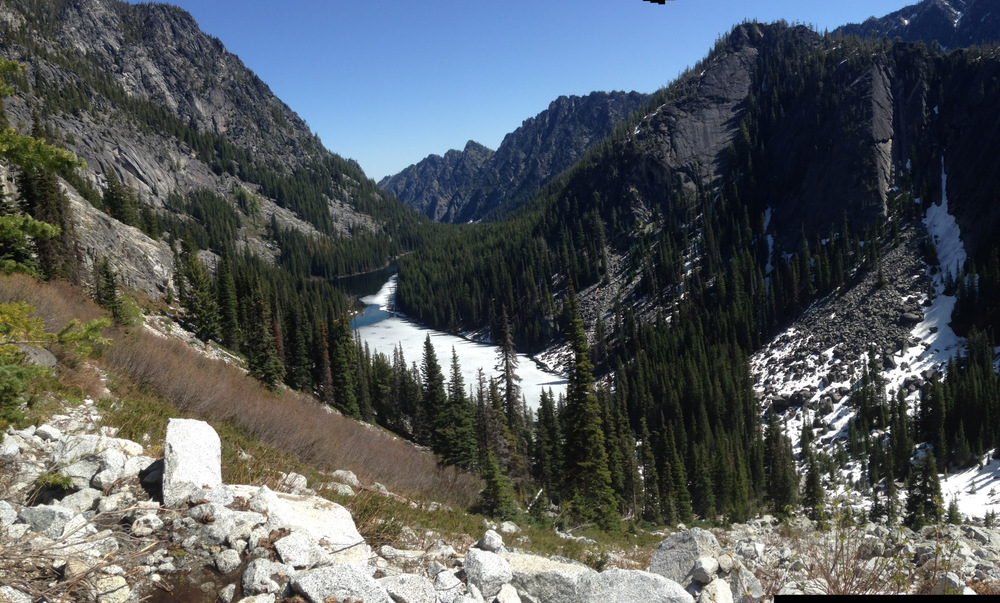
[[115, 544], [264, 544]]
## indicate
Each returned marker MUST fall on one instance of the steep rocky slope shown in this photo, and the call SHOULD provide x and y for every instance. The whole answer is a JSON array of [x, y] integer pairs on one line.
[[476, 182], [139, 91]]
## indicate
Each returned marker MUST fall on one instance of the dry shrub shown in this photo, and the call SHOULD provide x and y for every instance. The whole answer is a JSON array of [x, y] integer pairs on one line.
[[210, 388], [56, 302]]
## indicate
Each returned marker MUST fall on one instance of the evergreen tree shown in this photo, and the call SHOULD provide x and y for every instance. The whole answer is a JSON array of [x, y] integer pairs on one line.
[[513, 410], [435, 399], [458, 422], [298, 364], [923, 494], [548, 448], [263, 360], [199, 300], [343, 366], [106, 289], [225, 287], [324, 367], [813, 496], [650, 477], [681, 494], [43, 199], [120, 201], [19, 233], [497, 497], [587, 481], [782, 479]]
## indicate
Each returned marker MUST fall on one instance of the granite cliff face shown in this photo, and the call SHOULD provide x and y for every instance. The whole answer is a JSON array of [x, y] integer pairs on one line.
[[476, 182], [140, 91]]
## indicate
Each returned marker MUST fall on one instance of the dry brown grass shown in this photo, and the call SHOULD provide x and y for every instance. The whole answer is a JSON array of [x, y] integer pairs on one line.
[[56, 303], [205, 387]]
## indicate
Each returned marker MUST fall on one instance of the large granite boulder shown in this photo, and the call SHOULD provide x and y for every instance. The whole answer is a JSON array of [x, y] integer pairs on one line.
[[192, 459], [676, 556]]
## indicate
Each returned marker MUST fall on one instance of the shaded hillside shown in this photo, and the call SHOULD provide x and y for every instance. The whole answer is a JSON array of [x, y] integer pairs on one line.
[[145, 97], [950, 23], [478, 183]]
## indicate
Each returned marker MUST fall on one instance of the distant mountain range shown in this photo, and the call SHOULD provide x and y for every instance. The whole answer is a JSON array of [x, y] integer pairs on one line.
[[951, 23], [476, 182]]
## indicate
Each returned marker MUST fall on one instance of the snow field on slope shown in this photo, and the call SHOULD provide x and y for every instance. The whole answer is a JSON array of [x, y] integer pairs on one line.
[[977, 490]]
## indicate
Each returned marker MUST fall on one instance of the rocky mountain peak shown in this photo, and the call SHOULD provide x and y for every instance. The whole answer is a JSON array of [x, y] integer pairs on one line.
[[478, 181], [950, 23]]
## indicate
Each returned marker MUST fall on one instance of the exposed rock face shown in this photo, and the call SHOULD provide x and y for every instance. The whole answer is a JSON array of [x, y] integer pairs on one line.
[[470, 184], [138, 90], [192, 456]]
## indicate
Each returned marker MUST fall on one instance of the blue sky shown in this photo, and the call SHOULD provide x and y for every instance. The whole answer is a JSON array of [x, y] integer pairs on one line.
[[388, 82]]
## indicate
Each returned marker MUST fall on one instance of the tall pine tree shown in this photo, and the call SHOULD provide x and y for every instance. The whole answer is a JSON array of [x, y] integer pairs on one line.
[[587, 480]]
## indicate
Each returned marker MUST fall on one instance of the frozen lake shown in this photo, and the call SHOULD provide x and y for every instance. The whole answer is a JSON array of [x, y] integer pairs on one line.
[[383, 331]]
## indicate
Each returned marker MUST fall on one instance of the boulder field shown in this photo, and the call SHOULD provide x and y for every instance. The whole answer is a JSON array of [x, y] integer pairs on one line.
[[88, 516]]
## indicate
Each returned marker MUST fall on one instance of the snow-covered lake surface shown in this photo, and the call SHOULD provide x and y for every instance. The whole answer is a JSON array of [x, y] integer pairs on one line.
[[384, 330]]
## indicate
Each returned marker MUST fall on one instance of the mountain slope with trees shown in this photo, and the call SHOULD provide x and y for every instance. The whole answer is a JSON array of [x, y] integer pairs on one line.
[[950, 24], [776, 173], [478, 183]]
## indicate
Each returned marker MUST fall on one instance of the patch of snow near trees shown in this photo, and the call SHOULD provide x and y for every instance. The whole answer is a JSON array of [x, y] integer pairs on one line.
[[976, 490], [396, 331]]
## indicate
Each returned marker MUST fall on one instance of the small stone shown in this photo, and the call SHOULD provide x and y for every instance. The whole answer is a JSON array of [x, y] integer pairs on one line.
[[704, 569], [346, 477], [226, 594], [408, 588], [7, 513], [264, 576], [9, 594], [346, 581], [340, 489], [82, 501], [948, 584], [488, 571], [509, 527], [227, 561], [111, 589], [507, 594], [716, 591], [146, 525], [48, 433], [492, 542]]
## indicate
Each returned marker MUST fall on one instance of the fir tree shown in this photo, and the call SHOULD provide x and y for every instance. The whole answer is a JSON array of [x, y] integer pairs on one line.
[[434, 399], [105, 289], [587, 477], [813, 496], [263, 360], [458, 422], [782, 479], [497, 497], [650, 477], [548, 448], [225, 287], [343, 367], [923, 494], [120, 201]]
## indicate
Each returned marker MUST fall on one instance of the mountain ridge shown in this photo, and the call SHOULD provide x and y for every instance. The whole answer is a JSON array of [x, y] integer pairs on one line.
[[475, 184]]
